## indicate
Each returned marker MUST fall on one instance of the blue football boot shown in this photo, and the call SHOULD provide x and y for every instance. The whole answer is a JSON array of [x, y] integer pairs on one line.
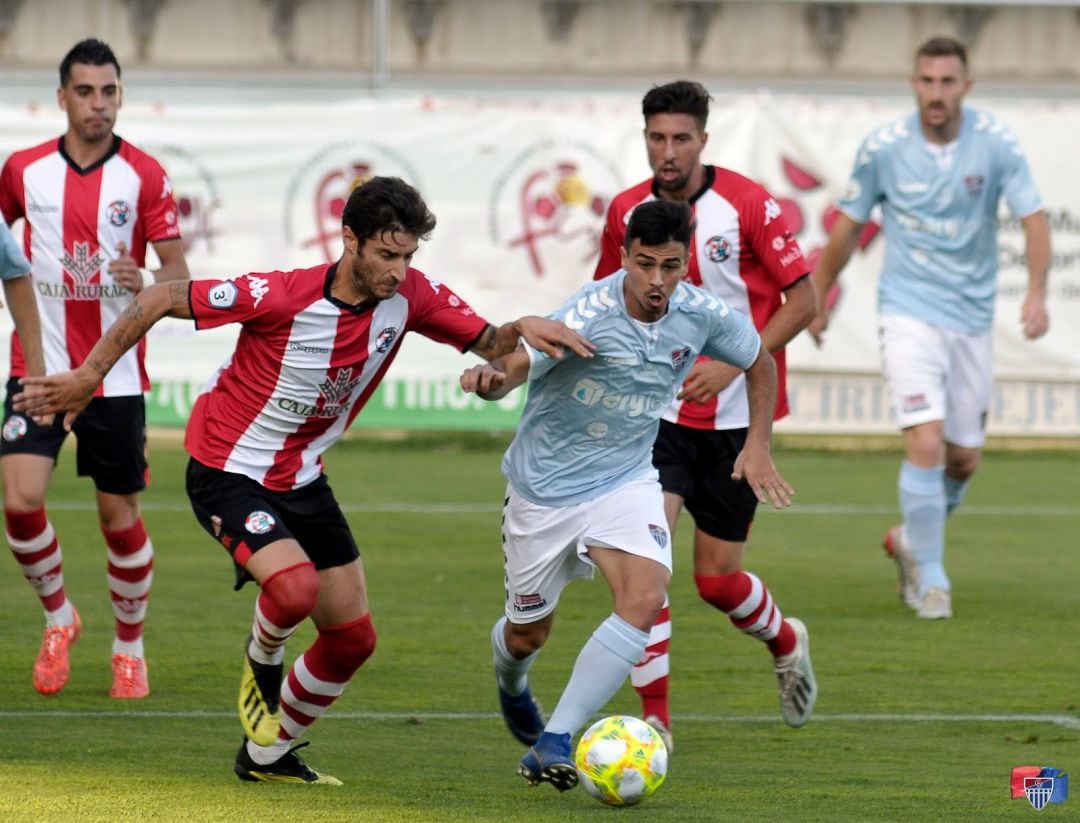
[[522, 715], [550, 760]]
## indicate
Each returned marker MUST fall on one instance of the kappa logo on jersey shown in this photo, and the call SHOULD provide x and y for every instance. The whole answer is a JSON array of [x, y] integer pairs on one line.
[[259, 522], [680, 357], [772, 210], [15, 427], [258, 286], [974, 183], [385, 339], [659, 534], [118, 212], [223, 295], [718, 249]]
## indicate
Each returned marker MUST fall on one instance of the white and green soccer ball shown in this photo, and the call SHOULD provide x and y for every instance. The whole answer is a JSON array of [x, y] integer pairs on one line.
[[621, 760]]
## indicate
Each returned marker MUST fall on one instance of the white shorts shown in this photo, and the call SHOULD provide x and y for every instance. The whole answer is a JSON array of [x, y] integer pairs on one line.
[[937, 374], [545, 547]]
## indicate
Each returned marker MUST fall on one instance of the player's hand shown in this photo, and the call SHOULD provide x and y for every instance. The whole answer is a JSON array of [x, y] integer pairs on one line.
[[552, 337], [817, 327], [482, 379], [756, 467], [65, 392], [125, 271], [707, 378], [1034, 319]]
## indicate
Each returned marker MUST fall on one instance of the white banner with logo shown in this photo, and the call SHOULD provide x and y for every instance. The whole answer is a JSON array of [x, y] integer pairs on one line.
[[520, 188]]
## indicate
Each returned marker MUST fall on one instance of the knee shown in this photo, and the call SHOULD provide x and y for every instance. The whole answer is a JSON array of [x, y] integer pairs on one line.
[[522, 639], [962, 466], [353, 642], [294, 592]]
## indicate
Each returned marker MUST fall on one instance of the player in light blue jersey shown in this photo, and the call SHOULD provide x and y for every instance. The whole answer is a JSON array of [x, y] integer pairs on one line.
[[19, 294], [938, 175], [583, 493]]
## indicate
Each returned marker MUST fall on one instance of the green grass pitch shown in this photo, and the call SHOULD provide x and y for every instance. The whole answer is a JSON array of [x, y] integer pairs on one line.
[[916, 720]]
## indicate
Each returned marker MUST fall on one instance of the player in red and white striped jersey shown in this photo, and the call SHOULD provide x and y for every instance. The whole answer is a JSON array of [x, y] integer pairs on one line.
[[314, 343], [90, 204], [742, 251]]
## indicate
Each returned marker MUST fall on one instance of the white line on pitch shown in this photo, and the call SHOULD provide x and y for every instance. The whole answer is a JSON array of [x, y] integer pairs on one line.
[[490, 508], [1066, 721]]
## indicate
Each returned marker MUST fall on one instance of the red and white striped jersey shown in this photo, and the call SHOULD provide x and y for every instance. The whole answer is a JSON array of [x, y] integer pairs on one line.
[[743, 252], [75, 218], [304, 365]]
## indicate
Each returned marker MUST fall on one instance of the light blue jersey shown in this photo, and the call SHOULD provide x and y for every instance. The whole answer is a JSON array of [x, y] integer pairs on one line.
[[12, 261], [589, 424], [940, 215]]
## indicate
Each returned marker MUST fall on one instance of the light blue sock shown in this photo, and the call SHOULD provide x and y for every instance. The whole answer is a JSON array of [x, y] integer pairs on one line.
[[601, 668], [511, 673], [954, 493], [922, 504]]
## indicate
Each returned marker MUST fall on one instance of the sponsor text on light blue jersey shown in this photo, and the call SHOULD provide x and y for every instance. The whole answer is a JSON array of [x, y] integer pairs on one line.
[[589, 424]]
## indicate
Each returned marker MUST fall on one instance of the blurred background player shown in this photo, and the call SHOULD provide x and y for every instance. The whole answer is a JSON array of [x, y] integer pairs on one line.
[[743, 252], [582, 490], [938, 178], [314, 344], [91, 203]]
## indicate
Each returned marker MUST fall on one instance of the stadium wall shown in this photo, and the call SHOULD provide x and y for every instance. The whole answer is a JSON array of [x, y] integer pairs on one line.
[[1036, 41]]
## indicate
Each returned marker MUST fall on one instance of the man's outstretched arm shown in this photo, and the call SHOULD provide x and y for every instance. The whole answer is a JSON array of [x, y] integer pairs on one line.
[[70, 391]]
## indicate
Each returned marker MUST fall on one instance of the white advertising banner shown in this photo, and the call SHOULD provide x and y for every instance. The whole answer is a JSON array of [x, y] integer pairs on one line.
[[520, 189]]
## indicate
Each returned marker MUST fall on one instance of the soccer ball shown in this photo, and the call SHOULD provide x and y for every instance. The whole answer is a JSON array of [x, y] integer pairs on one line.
[[621, 760]]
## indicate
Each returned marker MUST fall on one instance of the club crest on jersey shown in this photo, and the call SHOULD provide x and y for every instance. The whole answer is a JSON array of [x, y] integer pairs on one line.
[[15, 427], [974, 183], [118, 212], [718, 249], [385, 339], [659, 534], [679, 357], [259, 522], [223, 295]]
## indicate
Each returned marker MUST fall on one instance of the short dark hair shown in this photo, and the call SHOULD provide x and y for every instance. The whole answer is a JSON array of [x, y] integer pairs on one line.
[[387, 204], [943, 47], [679, 97], [660, 221], [90, 52]]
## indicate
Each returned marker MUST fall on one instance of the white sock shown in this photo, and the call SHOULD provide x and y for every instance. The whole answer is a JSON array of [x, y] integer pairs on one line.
[[511, 673], [64, 616], [601, 668], [265, 755], [132, 648]]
